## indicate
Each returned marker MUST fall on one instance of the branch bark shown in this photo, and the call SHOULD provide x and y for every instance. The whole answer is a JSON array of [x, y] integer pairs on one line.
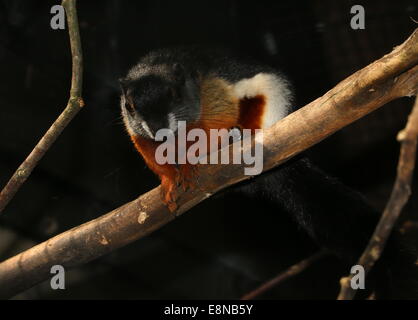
[[75, 103], [290, 272], [393, 76], [398, 198]]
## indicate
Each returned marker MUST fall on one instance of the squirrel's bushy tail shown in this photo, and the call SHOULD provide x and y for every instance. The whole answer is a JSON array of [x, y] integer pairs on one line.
[[340, 220]]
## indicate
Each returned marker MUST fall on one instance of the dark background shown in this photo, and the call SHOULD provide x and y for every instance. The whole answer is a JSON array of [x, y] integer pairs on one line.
[[217, 250]]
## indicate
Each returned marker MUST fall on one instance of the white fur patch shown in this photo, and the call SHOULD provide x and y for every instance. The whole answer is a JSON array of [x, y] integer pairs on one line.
[[276, 91], [172, 122], [125, 116], [147, 129]]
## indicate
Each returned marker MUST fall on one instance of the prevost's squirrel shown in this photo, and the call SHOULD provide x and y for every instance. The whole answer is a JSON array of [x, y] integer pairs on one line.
[[216, 89]]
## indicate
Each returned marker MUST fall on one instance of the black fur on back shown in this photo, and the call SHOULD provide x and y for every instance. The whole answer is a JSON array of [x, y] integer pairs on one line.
[[222, 62]]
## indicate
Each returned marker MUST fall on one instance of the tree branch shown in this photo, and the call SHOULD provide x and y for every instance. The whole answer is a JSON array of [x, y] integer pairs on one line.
[[290, 272], [75, 103], [393, 76], [398, 198]]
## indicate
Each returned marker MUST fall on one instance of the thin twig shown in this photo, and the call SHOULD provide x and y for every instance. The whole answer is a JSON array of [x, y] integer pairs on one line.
[[393, 76], [398, 198], [290, 272], [75, 103]]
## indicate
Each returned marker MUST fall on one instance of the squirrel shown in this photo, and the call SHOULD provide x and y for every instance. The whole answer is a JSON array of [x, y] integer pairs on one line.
[[217, 89], [204, 88]]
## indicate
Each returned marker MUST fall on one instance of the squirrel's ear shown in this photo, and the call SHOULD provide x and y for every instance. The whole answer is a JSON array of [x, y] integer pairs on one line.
[[123, 83]]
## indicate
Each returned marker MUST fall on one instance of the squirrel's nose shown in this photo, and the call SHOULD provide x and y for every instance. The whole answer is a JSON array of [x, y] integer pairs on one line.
[[156, 124]]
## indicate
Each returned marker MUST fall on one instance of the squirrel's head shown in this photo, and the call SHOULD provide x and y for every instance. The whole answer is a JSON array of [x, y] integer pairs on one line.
[[157, 97]]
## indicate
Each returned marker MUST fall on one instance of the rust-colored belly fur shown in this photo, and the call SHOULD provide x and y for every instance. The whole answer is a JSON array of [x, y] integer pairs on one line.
[[220, 110]]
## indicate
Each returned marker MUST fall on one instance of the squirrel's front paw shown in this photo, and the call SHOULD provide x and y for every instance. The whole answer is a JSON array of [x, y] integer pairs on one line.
[[169, 194], [187, 178]]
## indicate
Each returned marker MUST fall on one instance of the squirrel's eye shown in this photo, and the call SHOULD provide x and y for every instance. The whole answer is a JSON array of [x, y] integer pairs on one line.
[[129, 107]]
